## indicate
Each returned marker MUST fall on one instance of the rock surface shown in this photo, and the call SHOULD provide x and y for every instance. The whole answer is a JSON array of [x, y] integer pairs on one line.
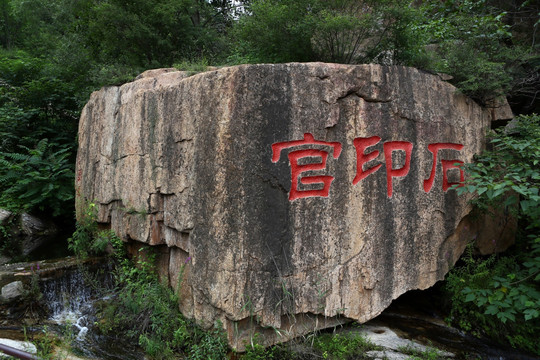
[[19, 345], [12, 291], [200, 167], [394, 346], [29, 232], [4, 217], [35, 232]]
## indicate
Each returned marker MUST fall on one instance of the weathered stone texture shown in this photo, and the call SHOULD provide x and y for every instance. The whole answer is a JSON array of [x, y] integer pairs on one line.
[[12, 291], [186, 162], [29, 231]]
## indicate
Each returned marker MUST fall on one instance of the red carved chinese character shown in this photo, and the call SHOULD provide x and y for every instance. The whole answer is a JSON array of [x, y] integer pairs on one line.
[[297, 169], [390, 147], [361, 144], [446, 165]]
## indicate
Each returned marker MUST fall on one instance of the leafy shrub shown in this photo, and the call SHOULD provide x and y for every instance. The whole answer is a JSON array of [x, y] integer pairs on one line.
[[511, 167], [145, 311], [38, 118], [506, 288], [258, 352], [284, 351], [88, 240], [470, 41], [37, 179]]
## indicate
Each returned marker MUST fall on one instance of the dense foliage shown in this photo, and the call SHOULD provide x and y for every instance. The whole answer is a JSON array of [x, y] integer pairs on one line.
[[37, 131], [343, 31], [146, 312], [505, 288]]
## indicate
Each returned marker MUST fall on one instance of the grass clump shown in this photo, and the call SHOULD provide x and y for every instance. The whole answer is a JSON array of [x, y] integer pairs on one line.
[[429, 353], [192, 67], [256, 351], [87, 240], [145, 311], [343, 346], [331, 346]]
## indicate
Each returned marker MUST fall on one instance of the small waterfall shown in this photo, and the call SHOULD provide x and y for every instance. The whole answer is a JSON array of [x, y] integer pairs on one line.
[[69, 296]]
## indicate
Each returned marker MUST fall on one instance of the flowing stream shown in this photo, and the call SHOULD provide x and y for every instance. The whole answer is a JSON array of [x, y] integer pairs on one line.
[[68, 300], [70, 297], [417, 316]]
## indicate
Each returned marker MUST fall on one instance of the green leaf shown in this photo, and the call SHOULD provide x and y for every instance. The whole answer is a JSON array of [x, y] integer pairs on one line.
[[482, 190], [491, 310], [498, 192]]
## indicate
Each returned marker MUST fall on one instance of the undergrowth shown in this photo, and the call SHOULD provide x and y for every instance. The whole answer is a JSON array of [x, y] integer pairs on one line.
[[141, 308], [343, 346], [331, 346], [87, 239], [499, 296], [484, 306], [145, 311], [429, 353]]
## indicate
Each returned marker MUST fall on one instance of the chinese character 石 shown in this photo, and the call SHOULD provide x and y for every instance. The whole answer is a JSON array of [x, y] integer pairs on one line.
[[298, 169], [446, 165]]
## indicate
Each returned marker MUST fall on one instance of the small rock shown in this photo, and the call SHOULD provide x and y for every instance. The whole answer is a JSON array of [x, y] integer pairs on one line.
[[445, 77], [4, 216], [19, 345], [383, 336], [36, 232], [12, 291], [154, 72], [388, 339], [4, 259], [500, 109]]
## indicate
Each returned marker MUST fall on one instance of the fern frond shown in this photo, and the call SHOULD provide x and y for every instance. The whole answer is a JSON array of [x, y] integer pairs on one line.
[[16, 156]]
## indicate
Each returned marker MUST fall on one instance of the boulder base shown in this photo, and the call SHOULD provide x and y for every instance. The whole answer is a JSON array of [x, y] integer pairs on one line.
[[284, 198]]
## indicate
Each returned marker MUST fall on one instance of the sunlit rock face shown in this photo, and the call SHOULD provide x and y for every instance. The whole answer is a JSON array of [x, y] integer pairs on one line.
[[284, 198]]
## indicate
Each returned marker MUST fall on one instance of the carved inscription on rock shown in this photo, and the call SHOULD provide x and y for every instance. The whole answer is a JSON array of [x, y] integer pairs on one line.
[[310, 163]]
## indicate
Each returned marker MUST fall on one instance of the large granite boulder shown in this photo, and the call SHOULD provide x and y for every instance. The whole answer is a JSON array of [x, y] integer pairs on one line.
[[285, 198]]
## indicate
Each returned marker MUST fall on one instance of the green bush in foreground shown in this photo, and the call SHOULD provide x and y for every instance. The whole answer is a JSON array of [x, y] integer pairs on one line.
[[146, 311], [87, 240], [505, 288]]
